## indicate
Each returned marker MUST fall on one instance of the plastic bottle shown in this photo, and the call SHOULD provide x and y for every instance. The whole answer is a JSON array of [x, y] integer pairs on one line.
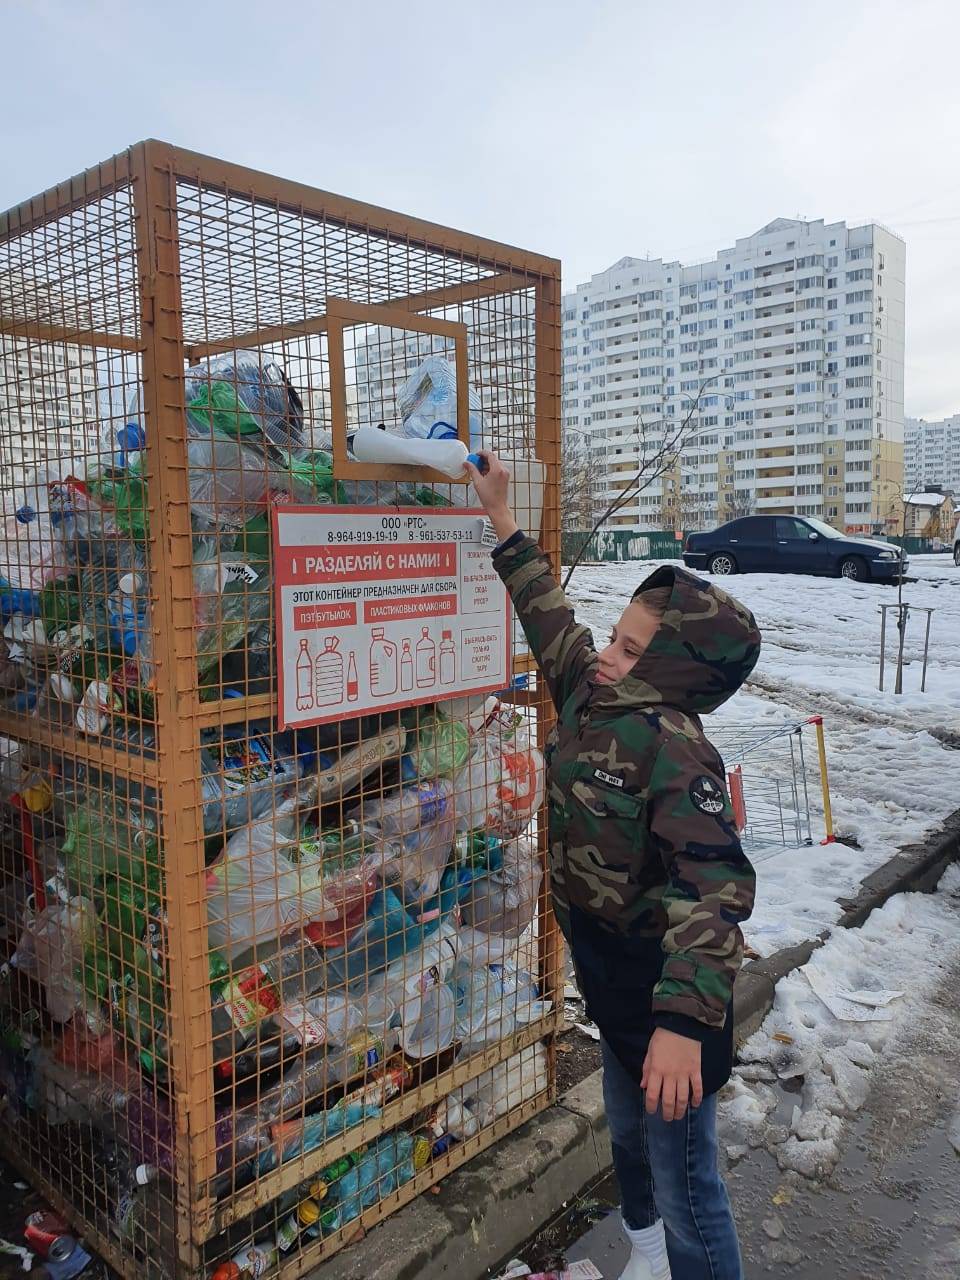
[[383, 665], [128, 613], [406, 668], [447, 658], [306, 1215], [446, 453], [416, 828], [353, 684], [304, 678], [428, 402], [250, 1263], [329, 674], [426, 660]]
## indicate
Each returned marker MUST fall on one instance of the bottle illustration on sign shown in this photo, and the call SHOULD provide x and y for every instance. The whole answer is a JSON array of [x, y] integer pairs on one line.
[[383, 665], [426, 660], [328, 690], [304, 678], [447, 659], [406, 668], [353, 684]]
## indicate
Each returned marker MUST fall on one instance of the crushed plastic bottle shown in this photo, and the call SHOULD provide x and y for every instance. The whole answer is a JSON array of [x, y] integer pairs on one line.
[[416, 827]]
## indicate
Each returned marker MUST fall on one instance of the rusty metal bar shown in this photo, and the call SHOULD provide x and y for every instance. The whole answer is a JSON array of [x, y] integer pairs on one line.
[[431, 299], [36, 332], [549, 377], [171, 572], [94, 183]]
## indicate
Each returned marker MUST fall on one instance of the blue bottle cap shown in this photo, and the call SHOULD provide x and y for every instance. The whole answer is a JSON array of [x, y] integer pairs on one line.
[[25, 514], [480, 463]]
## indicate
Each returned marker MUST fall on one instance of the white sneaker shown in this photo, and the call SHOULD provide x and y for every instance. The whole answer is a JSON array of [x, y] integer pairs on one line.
[[648, 1254]]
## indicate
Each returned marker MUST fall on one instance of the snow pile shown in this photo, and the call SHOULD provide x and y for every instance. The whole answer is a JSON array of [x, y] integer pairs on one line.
[[907, 945]]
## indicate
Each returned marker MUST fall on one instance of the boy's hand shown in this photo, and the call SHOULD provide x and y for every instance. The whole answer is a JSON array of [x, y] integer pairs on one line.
[[493, 485], [671, 1074]]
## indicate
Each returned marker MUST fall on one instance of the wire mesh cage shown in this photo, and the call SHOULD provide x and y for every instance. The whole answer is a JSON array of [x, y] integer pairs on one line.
[[269, 974]]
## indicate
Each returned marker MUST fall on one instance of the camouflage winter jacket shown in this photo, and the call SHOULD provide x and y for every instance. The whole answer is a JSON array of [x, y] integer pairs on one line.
[[648, 877]]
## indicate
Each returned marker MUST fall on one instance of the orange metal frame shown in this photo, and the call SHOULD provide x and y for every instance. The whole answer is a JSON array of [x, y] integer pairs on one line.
[[152, 171]]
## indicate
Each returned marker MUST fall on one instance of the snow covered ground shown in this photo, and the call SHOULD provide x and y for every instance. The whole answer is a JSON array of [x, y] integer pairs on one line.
[[910, 947], [892, 776]]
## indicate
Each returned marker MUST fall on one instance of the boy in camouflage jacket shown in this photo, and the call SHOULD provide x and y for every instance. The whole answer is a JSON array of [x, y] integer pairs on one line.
[[648, 878]]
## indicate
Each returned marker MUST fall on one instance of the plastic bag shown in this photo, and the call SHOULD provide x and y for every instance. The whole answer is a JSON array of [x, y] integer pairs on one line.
[[243, 394], [501, 787], [32, 552], [52, 949], [504, 901], [428, 402], [256, 891]]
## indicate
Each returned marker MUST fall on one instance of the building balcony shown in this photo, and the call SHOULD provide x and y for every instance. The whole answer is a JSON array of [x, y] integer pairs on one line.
[[766, 277], [767, 483], [773, 311], [773, 398], [783, 502], [774, 337], [768, 295], [779, 375]]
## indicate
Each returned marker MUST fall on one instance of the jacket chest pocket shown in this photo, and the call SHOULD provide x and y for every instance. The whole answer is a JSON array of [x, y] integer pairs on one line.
[[610, 819]]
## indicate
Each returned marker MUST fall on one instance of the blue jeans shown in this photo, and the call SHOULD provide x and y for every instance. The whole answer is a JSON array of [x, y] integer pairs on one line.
[[669, 1171]]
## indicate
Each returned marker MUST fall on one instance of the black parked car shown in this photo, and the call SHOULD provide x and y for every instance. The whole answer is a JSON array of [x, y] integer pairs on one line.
[[792, 544]]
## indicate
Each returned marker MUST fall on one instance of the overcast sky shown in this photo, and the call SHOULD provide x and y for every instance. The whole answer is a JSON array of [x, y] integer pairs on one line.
[[587, 129]]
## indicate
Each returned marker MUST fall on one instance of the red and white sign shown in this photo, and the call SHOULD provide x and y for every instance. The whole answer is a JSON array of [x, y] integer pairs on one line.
[[384, 607]]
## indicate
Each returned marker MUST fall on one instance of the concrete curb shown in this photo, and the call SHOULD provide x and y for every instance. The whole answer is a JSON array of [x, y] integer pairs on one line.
[[486, 1209]]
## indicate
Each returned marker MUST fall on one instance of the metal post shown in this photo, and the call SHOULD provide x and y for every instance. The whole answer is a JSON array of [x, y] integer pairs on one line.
[[926, 650], [883, 640], [902, 615], [179, 790], [817, 722]]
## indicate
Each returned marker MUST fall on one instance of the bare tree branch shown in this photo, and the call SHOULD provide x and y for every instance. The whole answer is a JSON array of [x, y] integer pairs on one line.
[[661, 459]]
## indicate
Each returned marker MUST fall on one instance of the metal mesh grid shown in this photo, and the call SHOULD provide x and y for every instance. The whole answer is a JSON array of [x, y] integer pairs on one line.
[[263, 986], [770, 779]]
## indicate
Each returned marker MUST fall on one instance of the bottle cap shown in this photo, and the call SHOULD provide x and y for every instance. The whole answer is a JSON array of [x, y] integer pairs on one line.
[[25, 514], [308, 1212]]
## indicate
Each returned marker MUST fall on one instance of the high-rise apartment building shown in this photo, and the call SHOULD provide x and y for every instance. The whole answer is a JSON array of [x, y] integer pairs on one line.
[[48, 406], [786, 351], [931, 454]]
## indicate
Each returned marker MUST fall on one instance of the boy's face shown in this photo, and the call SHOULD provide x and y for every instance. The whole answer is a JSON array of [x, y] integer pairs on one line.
[[628, 641]]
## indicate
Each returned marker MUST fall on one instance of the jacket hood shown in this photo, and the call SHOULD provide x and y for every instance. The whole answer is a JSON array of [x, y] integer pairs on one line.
[[706, 646]]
